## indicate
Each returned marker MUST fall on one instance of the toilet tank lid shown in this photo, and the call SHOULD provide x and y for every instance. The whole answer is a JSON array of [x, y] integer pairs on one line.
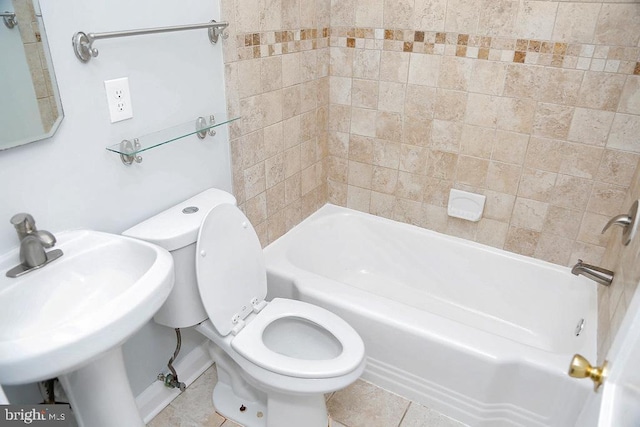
[[179, 225]]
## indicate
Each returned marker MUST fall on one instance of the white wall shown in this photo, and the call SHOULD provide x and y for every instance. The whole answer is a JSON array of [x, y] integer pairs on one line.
[[71, 181]]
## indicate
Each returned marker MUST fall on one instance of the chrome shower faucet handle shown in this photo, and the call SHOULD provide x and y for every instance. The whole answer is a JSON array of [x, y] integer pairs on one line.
[[628, 222]]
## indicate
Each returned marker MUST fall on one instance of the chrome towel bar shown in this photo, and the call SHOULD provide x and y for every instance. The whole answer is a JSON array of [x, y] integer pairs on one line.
[[83, 42]]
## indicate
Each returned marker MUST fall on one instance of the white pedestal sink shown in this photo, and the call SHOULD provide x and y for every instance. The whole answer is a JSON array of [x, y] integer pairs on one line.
[[70, 318]]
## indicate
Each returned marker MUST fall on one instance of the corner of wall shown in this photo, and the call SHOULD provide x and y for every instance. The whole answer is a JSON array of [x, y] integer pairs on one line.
[[276, 69]]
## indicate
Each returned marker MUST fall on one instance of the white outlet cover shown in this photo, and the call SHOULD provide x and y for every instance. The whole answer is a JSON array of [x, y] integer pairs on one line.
[[118, 99]]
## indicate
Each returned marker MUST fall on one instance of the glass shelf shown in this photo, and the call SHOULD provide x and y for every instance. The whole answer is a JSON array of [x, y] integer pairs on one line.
[[130, 148]]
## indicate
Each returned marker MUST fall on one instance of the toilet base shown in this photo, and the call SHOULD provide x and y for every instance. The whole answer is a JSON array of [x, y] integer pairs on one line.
[[245, 412], [262, 408], [281, 410], [285, 410]]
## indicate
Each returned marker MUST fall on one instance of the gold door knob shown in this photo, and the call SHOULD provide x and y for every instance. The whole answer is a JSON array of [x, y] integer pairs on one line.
[[581, 368]]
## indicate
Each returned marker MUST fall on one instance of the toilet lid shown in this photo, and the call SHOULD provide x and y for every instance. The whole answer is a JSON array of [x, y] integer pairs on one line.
[[230, 266]]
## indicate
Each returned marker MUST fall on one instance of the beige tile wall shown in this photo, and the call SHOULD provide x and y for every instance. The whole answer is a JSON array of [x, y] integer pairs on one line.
[[535, 104], [385, 105], [277, 61], [623, 261]]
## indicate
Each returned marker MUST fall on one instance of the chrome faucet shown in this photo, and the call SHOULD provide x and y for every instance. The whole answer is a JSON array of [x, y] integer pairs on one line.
[[598, 274], [33, 243]]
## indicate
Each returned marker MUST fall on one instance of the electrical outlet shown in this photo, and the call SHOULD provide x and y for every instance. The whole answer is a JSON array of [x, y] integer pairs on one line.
[[118, 99]]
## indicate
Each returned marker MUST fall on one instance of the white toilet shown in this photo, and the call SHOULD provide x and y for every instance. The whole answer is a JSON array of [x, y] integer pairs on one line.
[[275, 360]]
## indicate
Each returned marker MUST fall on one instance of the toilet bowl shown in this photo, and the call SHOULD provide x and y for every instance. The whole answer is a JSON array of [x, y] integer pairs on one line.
[[275, 360]]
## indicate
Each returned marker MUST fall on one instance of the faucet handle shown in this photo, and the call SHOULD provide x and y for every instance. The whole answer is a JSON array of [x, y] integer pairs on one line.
[[622, 220], [23, 219], [627, 222], [24, 224]]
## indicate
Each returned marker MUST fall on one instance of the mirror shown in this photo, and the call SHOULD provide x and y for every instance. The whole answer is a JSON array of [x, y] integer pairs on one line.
[[30, 108]]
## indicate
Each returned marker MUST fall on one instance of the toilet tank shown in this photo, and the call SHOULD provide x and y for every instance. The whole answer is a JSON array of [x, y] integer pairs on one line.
[[176, 230]]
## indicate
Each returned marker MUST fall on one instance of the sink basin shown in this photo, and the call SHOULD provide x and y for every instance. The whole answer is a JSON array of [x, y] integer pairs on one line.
[[65, 315]]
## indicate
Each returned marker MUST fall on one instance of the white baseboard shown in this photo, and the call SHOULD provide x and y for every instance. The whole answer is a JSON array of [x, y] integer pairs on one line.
[[156, 397]]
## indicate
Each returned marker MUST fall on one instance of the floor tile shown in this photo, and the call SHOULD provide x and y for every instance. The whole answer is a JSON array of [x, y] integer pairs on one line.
[[421, 416], [364, 405], [360, 405], [170, 418], [196, 400], [193, 407]]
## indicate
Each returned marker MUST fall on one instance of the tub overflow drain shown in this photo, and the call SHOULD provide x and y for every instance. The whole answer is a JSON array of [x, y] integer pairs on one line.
[[579, 327], [190, 210], [243, 408]]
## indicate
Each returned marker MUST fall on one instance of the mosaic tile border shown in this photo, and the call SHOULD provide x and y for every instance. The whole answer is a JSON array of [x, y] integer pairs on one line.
[[270, 43], [621, 60], [612, 59]]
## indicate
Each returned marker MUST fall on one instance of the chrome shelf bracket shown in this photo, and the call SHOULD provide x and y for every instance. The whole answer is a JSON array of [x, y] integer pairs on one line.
[[204, 129], [83, 42], [131, 147]]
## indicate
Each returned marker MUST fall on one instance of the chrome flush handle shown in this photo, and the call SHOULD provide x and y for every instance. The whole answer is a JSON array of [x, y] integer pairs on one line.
[[627, 222]]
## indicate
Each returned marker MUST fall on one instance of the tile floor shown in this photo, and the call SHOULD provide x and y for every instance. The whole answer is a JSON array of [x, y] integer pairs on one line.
[[360, 405]]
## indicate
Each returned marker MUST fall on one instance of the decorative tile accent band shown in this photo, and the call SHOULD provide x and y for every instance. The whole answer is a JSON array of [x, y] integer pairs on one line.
[[614, 59], [270, 43]]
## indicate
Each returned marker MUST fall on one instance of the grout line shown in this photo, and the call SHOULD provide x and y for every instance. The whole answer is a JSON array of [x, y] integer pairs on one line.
[[405, 413]]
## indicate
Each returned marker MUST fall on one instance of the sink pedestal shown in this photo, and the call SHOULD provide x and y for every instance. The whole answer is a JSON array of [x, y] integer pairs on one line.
[[100, 395]]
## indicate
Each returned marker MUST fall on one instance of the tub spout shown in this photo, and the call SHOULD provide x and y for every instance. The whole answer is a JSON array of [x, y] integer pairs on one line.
[[598, 274]]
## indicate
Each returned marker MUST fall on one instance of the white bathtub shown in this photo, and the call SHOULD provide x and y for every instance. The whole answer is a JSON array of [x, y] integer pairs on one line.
[[480, 334]]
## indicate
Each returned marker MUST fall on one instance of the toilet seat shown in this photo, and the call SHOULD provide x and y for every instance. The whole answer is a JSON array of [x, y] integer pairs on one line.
[[249, 342]]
